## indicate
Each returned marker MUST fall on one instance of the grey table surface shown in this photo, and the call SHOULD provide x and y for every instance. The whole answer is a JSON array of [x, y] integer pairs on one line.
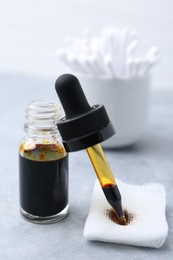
[[150, 160]]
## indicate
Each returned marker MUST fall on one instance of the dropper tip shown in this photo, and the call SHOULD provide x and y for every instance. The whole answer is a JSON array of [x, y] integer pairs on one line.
[[122, 220]]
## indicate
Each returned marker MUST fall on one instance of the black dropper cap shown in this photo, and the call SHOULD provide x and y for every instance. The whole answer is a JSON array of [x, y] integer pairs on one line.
[[83, 126]]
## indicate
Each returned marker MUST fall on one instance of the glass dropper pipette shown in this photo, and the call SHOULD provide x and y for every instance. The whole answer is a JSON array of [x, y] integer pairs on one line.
[[84, 127]]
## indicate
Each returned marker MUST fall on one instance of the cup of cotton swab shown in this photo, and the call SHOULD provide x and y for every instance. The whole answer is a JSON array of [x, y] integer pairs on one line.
[[115, 70]]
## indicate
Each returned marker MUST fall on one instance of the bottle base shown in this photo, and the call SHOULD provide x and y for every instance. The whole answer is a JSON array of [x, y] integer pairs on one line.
[[47, 219]]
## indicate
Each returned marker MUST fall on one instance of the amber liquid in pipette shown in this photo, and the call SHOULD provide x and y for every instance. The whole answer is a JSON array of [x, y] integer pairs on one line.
[[103, 172], [101, 166]]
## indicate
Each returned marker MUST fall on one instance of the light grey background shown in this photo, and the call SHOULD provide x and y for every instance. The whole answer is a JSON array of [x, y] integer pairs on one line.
[[30, 32]]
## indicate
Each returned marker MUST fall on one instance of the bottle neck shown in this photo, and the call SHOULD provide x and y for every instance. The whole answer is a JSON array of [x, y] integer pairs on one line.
[[42, 117]]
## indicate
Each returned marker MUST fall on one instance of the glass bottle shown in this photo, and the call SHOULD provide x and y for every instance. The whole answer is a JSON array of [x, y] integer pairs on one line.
[[43, 165]]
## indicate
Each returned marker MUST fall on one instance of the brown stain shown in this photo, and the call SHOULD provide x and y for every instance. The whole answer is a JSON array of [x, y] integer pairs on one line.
[[112, 215]]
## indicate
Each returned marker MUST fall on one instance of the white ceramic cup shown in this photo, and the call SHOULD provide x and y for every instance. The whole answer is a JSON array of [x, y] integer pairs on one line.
[[126, 102]]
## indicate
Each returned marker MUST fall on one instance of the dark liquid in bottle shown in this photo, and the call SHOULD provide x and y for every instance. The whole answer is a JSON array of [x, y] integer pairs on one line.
[[43, 186]]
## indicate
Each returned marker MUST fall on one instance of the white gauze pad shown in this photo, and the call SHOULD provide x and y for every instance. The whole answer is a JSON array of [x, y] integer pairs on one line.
[[146, 206]]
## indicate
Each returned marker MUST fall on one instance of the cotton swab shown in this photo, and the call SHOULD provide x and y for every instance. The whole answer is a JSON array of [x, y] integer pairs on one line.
[[113, 53], [109, 65]]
